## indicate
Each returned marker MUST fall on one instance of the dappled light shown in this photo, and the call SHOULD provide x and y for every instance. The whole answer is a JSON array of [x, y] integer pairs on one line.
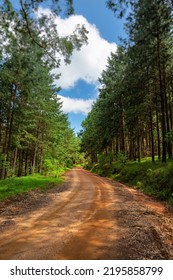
[[94, 218], [82, 113]]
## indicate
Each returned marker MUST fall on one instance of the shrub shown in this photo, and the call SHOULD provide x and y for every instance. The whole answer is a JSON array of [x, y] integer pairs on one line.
[[153, 178]]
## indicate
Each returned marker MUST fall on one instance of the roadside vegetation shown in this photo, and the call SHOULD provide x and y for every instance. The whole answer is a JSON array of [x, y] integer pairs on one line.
[[155, 179], [15, 185], [35, 134], [132, 118]]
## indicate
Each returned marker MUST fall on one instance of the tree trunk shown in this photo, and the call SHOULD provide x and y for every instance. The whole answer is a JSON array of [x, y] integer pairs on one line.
[[162, 99], [15, 160], [152, 136], [158, 133]]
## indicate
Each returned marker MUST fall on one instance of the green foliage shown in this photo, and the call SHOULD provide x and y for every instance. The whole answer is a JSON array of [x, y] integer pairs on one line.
[[122, 158], [105, 158], [169, 136], [131, 173], [159, 182], [35, 135], [132, 117], [104, 166], [27, 23], [13, 186], [155, 179], [119, 6], [133, 112], [49, 166], [103, 169]]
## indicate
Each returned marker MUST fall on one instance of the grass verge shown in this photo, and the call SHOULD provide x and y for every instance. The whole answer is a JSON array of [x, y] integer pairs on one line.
[[155, 179], [13, 186]]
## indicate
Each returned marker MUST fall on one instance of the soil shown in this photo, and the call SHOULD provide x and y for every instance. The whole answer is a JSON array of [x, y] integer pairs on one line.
[[86, 218]]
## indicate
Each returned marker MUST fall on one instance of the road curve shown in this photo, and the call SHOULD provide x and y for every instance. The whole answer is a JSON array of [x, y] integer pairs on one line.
[[94, 219]]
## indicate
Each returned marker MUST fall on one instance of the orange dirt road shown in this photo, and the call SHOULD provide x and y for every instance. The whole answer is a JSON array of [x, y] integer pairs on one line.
[[94, 218]]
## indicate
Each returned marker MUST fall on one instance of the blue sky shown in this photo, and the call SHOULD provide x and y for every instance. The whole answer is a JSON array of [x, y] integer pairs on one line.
[[79, 80], [110, 29], [95, 12]]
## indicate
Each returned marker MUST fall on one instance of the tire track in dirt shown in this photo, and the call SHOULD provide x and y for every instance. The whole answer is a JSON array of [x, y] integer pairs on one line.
[[95, 218]]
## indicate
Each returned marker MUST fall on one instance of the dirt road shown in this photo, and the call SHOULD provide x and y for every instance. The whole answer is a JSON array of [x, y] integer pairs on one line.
[[88, 217]]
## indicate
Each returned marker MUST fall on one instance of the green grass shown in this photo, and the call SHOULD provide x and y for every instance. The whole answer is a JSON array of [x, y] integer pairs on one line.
[[155, 179], [13, 186]]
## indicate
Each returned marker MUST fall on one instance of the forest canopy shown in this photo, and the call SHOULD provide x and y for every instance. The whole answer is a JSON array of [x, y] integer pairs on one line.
[[133, 115], [35, 134]]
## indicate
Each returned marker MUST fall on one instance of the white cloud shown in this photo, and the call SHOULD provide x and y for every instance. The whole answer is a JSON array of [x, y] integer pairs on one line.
[[73, 105], [88, 63]]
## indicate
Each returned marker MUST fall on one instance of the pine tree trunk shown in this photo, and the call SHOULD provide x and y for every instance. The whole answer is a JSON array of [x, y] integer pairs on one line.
[[169, 146], [158, 133], [34, 159], [162, 95], [170, 110], [20, 168], [26, 162], [152, 136], [15, 160]]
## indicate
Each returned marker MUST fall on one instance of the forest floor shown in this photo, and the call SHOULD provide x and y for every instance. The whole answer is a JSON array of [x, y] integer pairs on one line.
[[87, 217]]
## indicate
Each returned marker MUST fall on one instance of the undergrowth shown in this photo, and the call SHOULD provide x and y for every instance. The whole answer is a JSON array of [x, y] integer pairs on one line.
[[155, 179], [15, 185]]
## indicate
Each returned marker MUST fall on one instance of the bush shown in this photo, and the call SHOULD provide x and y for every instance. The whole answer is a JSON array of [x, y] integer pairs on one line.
[[122, 158], [153, 178], [160, 182]]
